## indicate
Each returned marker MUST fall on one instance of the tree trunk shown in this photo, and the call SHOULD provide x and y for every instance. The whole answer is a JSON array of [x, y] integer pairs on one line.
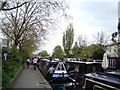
[[16, 44]]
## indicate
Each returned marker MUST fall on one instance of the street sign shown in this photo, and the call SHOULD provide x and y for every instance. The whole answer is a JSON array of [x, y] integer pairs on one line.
[[5, 56]]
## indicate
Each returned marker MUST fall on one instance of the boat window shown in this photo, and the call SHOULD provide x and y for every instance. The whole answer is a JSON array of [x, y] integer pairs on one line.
[[60, 66]]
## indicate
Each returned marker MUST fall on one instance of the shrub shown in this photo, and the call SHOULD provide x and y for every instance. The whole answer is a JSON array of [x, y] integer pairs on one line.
[[98, 54], [11, 66]]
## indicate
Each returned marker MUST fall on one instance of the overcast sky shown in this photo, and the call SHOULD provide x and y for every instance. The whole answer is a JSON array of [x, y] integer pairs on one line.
[[89, 17]]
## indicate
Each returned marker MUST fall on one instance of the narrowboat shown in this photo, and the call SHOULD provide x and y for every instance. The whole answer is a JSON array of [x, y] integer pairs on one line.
[[90, 75], [77, 74], [101, 81]]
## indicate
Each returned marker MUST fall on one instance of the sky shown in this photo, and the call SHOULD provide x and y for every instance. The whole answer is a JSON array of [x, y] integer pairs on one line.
[[88, 18]]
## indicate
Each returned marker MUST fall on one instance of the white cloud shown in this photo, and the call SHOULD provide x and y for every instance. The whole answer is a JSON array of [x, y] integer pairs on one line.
[[89, 17], [88, 32]]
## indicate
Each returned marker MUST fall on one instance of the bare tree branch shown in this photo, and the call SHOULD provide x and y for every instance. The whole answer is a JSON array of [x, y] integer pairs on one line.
[[101, 38], [31, 22], [5, 9]]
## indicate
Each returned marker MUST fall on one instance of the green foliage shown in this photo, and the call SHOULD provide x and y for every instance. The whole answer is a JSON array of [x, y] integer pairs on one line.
[[11, 66], [43, 53], [76, 50], [0, 76], [87, 52], [98, 54], [82, 42], [16, 55], [68, 38], [116, 40], [57, 52]]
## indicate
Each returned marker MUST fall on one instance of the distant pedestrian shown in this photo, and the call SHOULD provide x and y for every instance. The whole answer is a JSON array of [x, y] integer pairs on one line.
[[28, 61], [51, 70], [39, 59], [35, 60]]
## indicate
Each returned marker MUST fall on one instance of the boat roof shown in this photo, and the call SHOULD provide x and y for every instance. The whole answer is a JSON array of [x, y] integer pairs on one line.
[[81, 62]]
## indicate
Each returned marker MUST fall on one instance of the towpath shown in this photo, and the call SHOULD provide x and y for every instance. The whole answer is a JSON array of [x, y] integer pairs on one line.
[[29, 78]]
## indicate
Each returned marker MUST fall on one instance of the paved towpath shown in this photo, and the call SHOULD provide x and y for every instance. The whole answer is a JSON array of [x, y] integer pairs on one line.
[[29, 78]]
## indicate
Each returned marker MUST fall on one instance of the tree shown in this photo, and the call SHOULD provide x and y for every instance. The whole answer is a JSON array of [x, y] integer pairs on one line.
[[43, 53], [5, 5], [58, 52], [87, 52], [29, 24], [101, 38], [116, 39], [18, 25], [68, 37], [82, 42], [98, 54], [76, 50]]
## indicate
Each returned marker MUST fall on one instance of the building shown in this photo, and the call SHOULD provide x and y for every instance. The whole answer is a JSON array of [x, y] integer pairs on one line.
[[112, 50]]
